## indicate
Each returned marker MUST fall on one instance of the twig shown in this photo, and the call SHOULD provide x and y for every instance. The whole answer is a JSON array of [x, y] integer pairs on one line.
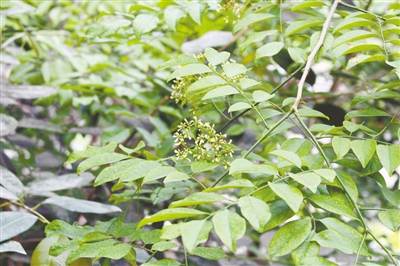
[[10, 40], [311, 57], [275, 90], [237, 36], [360, 9]]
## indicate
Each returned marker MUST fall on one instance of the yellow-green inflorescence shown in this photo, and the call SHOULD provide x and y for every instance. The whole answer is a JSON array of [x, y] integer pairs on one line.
[[209, 146]]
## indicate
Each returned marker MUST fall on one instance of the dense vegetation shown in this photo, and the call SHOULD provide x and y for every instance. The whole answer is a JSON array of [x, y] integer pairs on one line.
[[197, 132]]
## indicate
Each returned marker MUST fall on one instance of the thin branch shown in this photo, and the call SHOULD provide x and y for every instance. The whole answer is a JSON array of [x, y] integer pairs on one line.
[[311, 57], [360, 9], [237, 36], [13, 38], [383, 247], [273, 91]]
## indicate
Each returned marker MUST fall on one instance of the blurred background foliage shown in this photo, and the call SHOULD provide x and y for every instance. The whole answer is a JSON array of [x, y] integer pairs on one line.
[[79, 73]]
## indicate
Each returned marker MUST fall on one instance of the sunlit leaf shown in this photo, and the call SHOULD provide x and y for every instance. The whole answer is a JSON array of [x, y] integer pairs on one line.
[[340, 236], [14, 223], [197, 198], [289, 237], [341, 146], [300, 25], [250, 19], [170, 214], [389, 155], [390, 218], [230, 227], [194, 233], [255, 211], [290, 194], [364, 150], [82, 206]]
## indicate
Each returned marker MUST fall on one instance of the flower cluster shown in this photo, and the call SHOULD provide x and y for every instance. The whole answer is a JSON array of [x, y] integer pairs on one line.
[[233, 8], [209, 146]]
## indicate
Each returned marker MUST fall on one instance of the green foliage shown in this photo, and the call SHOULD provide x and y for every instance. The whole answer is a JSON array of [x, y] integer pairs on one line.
[[205, 147]]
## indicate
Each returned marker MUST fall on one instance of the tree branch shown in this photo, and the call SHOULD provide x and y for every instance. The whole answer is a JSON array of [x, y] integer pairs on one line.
[[311, 57]]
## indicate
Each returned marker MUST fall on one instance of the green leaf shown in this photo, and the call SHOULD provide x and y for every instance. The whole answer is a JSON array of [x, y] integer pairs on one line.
[[230, 227], [255, 37], [349, 23], [157, 173], [198, 167], [353, 35], [170, 214], [247, 83], [234, 69], [235, 130], [239, 183], [307, 254], [137, 169], [328, 174], [389, 155], [289, 156], [138, 147], [220, 91], [289, 237], [308, 179], [364, 150], [377, 95], [163, 246], [172, 14], [100, 159], [239, 106], [90, 250], [210, 253], [191, 69], [336, 203], [60, 183], [150, 237], [170, 232], [5, 194], [194, 10], [182, 59], [311, 113], [392, 196], [144, 23], [194, 233], [341, 146], [240, 166], [115, 133], [197, 198], [354, 48], [340, 236], [11, 182], [115, 252], [291, 195], [348, 182], [250, 19], [280, 212], [261, 96], [299, 25], [12, 246], [205, 82], [59, 227], [298, 55], [390, 218], [255, 211], [369, 112], [14, 223], [82, 206], [361, 59], [269, 49], [91, 151], [176, 176], [214, 57], [163, 262]]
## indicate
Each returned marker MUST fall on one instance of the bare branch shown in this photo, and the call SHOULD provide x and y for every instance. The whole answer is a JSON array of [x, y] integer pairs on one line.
[[311, 57]]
